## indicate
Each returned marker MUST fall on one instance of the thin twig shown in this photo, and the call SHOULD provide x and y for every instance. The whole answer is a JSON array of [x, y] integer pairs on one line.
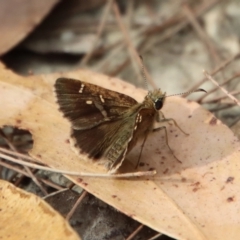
[[102, 24], [235, 100], [216, 70], [155, 236], [14, 168], [134, 56], [135, 232], [181, 22], [17, 154], [217, 99], [221, 108], [19, 170], [26, 168], [216, 88], [83, 174], [127, 38], [203, 36], [82, 196], [55, 193]]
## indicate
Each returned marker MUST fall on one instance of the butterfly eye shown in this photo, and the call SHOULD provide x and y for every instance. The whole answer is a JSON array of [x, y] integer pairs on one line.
[[158, 103]]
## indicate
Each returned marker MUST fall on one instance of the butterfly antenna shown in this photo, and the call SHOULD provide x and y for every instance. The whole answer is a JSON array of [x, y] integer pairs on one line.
[[198, 90], [143, 72]]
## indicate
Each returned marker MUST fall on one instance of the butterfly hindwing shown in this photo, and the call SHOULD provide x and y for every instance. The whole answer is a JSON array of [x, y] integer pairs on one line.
[[108, 141], [111, 141], [87, 105]]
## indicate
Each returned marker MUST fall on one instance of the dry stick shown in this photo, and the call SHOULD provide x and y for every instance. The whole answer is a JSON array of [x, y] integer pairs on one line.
[[19, 170], [116, 52], [51, 184], [102, 24], [83, 174], [151, 12], [234, 122], [16, 154], [216, 70], [155, 236], [55, 193], [221, 108], [26, 168], [217, 99], [127, 39], [20, 178], [135, 232], [83, 195], [216, 88], [235, 100], [126, 62], [133, 53], [120, 67], [130, 9], [203, 36], [206, 6], [229, 102], [183, 23], [14, 168]]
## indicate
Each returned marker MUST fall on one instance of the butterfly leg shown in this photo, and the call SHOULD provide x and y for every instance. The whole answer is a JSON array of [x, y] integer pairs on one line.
[[140, 154], [168, 120], [166, 137]]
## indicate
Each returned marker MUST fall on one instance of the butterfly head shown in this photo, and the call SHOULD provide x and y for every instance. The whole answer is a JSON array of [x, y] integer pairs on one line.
[[157, 98]]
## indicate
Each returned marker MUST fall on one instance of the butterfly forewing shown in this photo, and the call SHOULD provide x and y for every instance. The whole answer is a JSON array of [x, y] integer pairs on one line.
[[87, 105]]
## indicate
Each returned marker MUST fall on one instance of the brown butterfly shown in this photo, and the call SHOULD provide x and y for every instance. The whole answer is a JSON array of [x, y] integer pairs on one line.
[[106, 124]]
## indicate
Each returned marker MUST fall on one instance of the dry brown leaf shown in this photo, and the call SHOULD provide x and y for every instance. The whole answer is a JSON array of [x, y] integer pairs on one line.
[[26, 216], [198, 199], [19, 18]]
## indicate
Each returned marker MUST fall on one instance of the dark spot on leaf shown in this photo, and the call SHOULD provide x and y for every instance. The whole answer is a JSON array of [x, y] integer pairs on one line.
[[183, 179], [230, 199], [141, 164], [114, 196], [79, 180], [230, 180], [195, 184], [166, 171], [213, 121]]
